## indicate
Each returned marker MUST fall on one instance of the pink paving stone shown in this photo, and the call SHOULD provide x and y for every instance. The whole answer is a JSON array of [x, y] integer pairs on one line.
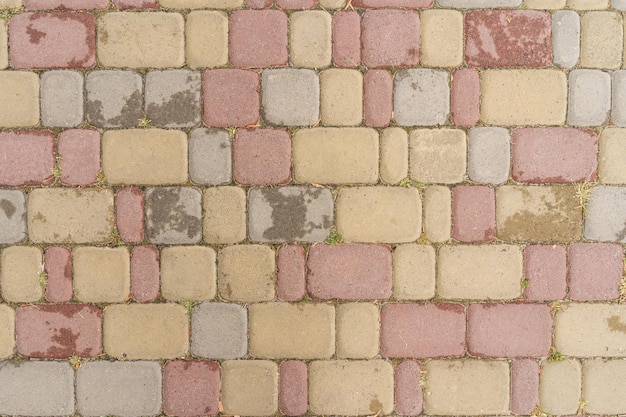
[[129, 205], [296, 4], [508, 38], [144, 273], [191, 388], [553, 155], [26, 157], [408, 393], [57, 331], [262, 157], [377, 98], [349, 272], [432, 330], [346, 39], [465, 97], [52, 40], [390, 38], [58, 268], [524, 386], [66, 4], [595, 271], [292, 388], [259, 4], [473, 213], [546, 270], [409, 4], [231, 97], [258, 38], [79, 150], [135, 4], [509, 330], [291, 274]]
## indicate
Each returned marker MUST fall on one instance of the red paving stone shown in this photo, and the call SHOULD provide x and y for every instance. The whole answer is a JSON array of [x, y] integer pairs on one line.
[[346, 39], [58, 268], [259, 4], [545, 268], [290, 273], [524, 386], [390, 38], [80, 156], [408, 394], [262, 157], [231, 97], [129, 204], [293, 387], [135, 4], [465, 97], [191, 388], [594, 271], [377, 98], [409, 4], [296, 4], [258, 38], [66, 4], [27, 157], [144, 273], [473, 213]]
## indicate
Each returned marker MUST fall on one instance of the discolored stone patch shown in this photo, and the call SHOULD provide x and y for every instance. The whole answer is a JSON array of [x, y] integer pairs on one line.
[[173, 98], [114, 98], [173, 215], [12, 216]]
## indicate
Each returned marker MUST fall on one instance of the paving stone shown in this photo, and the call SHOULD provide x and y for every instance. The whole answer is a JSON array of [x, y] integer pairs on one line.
[[336, 155], [135, 4], [209, 157], [258, 38], [349, 272], [173, 98], [293, 388], [601, 40], [437, 213], [310, 34], [590, 97], [408, 396], [290, 273], [61, 98], [188, 273], [544, 4], [437, 155], [65, 4], [594, 271], [351, 387], [379, 214], [259, 4], [231, 97], [173, 215], [611, 170], [545, 269], [141, 40], [224, 215], [19, 276], [10, 3], [114, 98], [618, 4], [250, 388], [560, 386], [19, 99], [587, 4], [606, 212], [358, 330], [473, 213], [12, 216], [262, 157], [28, 157], [538, 214], [124, 389], [70, 215], [479, 272], [246, 273], [101, 275], [481, 387], [79, 150], [341, 97], [290, 97], [296, 4], [465, 97], [42, 388], [411, 4], [618, 103], [206, 34], [432, 330], [394, 155], [219, 331], [421, 97], [201, 4], [58, 331], [377, 98], [191, 388], [442, 38], [565, 38], [413, 272], [58, 269], [129, 209], [7, 331], [346, 39], [478, 4], [603, 383], [4, 44], [524, 386], [144, 273], [489, 155], [286, 214], [390, 38]]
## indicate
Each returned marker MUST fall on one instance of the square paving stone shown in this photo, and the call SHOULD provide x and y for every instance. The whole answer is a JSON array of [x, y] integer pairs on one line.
[[114, 98], [421, 97], [606, 215], [290, 97], [219, 331], [191, 388], [173, 215], [258, 38], [390, 38], [262, 157], [12, 216], [231, 97], [61, 98], [210, 156], [173, 98]]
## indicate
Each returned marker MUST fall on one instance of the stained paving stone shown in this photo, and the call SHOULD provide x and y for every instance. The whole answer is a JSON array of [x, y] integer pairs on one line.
[[231, 97], [7, 331], [346, 35], [390, 38], [465, 97], [442, 38], [262, 157], [61, 98], [545, 269], [114, 98], [606, 212], [414, 272], [293, 388], [219, 331], [560, 387], [394, 155], [129, 209], [437, 155], [358, 330], [473, 213], [524, 386], [286, 214], [224, 215], [19, 276], [28, 157], [421, 97], [58, 269], [206, 35], [377, 98], [488, 155], [173, 98], [191, 388], [341, 97], [19, 99], [210, 161], [173, 215], [611, 170], [144, 273], [594, 271], [246, 273], [258, 38], [65, 4], [408, 395], [290, 273], [79, 150], [250, 387], [101, 274], [310, 38], [12, 216], [437, 213], [290, 97], [188, 273], [603, 381], [601, 40], [565, 38], [589, 97], [618, 104]]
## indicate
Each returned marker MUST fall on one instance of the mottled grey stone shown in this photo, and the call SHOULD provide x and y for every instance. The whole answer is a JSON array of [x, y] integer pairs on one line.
[[291, 97], [421, 97], [114, 98], [618, 103], [210, 161], [606, 215], [478, 4], [489, 155], [12, 216], [589, 97], [61, 98], [219, 331], [173, 98], [173, 215], [565, 38]]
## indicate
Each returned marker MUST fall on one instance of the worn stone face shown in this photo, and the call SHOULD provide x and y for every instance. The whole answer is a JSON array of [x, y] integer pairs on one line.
[[219, 331], [19, 99], [173, 215], [114, 98], [250, 388], [421, 97], [62, 98], [173, 98], [246, 273], [606, 218], [12, 216], [101, 274]]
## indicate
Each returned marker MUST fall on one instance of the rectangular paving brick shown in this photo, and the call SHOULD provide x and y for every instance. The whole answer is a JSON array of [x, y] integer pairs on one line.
[[219, 331], [377, 98], [58, 269], [612, 152], [173, 215], [414, 272], [560, 386], [28, 158], [129, 211], [144, 273], [65, 4], [4, 44], [7, 331], [12, 216], [346, 39], [489, 155], [545, 269], [250, 388], [524, 386], [188, 273], [231, 97], [191, 388], [19, 99], [202, 50], [442, 38], [473, 213], [246, 273], [257, 38], [408, 398], [262, 157], [358, 330], [589, 97], [341, 97], [101, 274], [603, 381], [421, 97], [565, 38], [605, 214], [602, 39], [310, 38], [290, 273], [594, 271], [390, 38], [224, 215], [79, 150], [437, 155], [293, 388], [19, 276], [61, 98]]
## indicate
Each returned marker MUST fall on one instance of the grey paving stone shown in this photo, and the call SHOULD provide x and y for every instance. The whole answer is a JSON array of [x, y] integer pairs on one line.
[[173, 98], [210, 161], [287, 214], [12, 216], [61, 98], [478, 4], [589, 97], [219, 331], [489, 155], [618, 103], [565, 38], [125, 389], [39, 388], [291, 97], [114, 98], [606, 215], [173, 215], [421, 97], [618, 4]]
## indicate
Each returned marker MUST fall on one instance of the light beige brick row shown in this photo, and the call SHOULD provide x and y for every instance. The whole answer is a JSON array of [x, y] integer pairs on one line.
[[101, 275], [188, 273], [20, 268], [206, 35]]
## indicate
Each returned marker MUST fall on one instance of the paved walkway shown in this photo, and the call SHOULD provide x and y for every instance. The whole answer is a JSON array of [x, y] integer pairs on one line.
[[312, 207]]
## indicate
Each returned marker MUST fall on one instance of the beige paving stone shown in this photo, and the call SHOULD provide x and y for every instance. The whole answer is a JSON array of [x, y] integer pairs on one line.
[[604, 385], [601, 40], [246, 273], [4, 44], [101, 275], [141, 40], [544, 4], [414, 272], [188, 273], [559, 387], [438, 155], [394, 155], [10, 3], [538, 214], [19, 274], [283, 330], [437, 213], [224, 215], [329, 155], [466, 387], [442, 38], [379, 214], [332, 4], [523, 97], [310, 42], [144, 156], [207, 39], [7, 331], [611, 166], [350, 388], [19, 99], [358, 330], [491, 272], [341, 97], [249, 388], [587, 4], [146, 331], [201, 4]]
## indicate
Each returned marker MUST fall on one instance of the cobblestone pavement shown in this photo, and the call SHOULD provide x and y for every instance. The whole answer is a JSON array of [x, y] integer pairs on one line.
[[312, 207]]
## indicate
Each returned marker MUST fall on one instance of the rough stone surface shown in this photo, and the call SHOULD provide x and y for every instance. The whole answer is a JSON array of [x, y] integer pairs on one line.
[[79, 150], [61, 98], [258, 38], [421, 97], [390, 38], [437, 213], [595, 271], [206, 34], [341, 97], [465, 97], [489, 155], [290, 96], [210, 157], [262, 157], [27, 158], [293, 388], [219, 331], [19, 99], [589, 97], [224, 215], [601, 40], [310, 34], [473, 213], [290, 273], [545, 269], [394, 156], [603, 381], [250, 388], [442, 38], [58, 268], [377, 98], [437, 155], [114, 98], [606, 212], [12, 216], [414, 272], [560, 386], [188, 273], [173, 98], [246, 273], [191, 388], [173, 215], [101, 275], [19, 276], [231, 97], [565, 38], [358, 332], [611, 170], [144, 273]]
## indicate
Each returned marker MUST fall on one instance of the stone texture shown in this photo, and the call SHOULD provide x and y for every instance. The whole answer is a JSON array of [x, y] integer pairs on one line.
[[219, 331], [231, 97], [191, 388], [595, 271], [135, 4], [465, 97], [603, 383], [611, 170], [437, 213], [210, 157], [4, 44], [410, 4], [258, 38], [224, 215], [489, 155], [358, 330], [173, 215], [293, 388], [606, 212], [27, 157], [545, 269], [12, 216], [61, 98], [587, 4], [79, 150], [172, 98], [290, 273], [19, 99], [545, 4], [618, 103], [262, 157], [408, 392], [19, 274], [114, 98], [188, 273], [414, 272], [7, 331], [58, 269], [394, 155], [346, 36], [246, 273], [473, 213], [200, 4], [524, 386], [442, 38], [290, 97], [206, 34], [65, 4], [421, 97], [390, 38], [310, 34], [437, 155], [250, 388], [377, 98], [129, 209], [341, 97], [560, 386], [565, 38], [478, 4], [589, 97], [601, 40], [144, 273], [101, 275]]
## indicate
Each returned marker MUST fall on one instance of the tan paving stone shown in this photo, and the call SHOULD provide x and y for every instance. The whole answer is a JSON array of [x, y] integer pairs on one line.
[[414, 272], [207, 39], [394, 155], [604, 385], [310, 44], [246, 273], [544, 4], [437, 213], [332, 4], [10, 3], [438, 155], [601, 40], [341, 97], [188, 273], [201, 4], [4, 44], [442, 38], [7, 331], [249, 388], [224, 215], [559, 387], [19, 274], [587, 4], [19, 99], [101, 275], [358, 330], [611, 167]]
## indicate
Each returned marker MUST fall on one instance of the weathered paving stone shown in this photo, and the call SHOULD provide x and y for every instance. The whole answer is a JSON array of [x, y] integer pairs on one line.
[[606, 215], [12, 216], [4, 44], [374, 4], [114, 98], [231, 97], [135, 4], [58, 268], [65, 4], [201, 4], [587, 4], [173, 98], [101, 274], [206, 34], [524, 386], [210, 157], [618, 101], [488, 155], [19, 276], [224, 215], [545, 269], [560, 387], [478, 4], [290, 97], [7, 331], [341, 97], [188, 273], [28, 157], [346, 39], [408, 395], [601, 40], [545, 4], [296, 4], [377, 98], [191, 388], [287, 214], [129, 209], [144, 273], [565, 38], [473, 213], [250, 387], [258, 38], [61, 98], [246, 273], [421, 97], [618, 4], [394, 155], [79, 150], [442, 38], [358, 330], [19, 99], [262, 157], [437, 155], [390, 38], [589, 97], [290, 273], [310, 34], [465, 97], [611, 169], [603, 383], [173, 215], [293, 388], [414, 272], [595, 271], [219, 331], [437, 213]]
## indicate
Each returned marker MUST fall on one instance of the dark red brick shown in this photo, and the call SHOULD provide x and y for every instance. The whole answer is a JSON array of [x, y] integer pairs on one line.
[[129, 205], [390, 38], [595, 271], [293, 387], [473, 213], [258, 38], [27, 157], [259, 4], [231, 97], [135, 4], [346, 39], [58, 268], [524, 386], [409, 4], [291, 274], [296, 4], [191, 388], [262, 157], [408, 392], [144, 273], [465, 97], [66, 4], [377, 98], [545, 269], [79, 150]]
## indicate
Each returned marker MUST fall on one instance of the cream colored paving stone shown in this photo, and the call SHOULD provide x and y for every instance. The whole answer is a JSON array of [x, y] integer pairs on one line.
[[310, 44], [523, 97], [351, 388], [188, 273], [414, 272], [612, 154], [132, 156], [333, 4], [394, 155], [19, 99], [379, 214], [201, 4], [559, 387], [246, 273], [587, 4], [479, 272], [146, 331], [341, 97], [7, 331], [604, 384], [207, 39], [299, 331], [101, 275], [224, 215], [545, 4], [19, 274], [358, 330], [437, 213], [4, 44], [249, 388], [442, 38], [438, 155], [601, 40]]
